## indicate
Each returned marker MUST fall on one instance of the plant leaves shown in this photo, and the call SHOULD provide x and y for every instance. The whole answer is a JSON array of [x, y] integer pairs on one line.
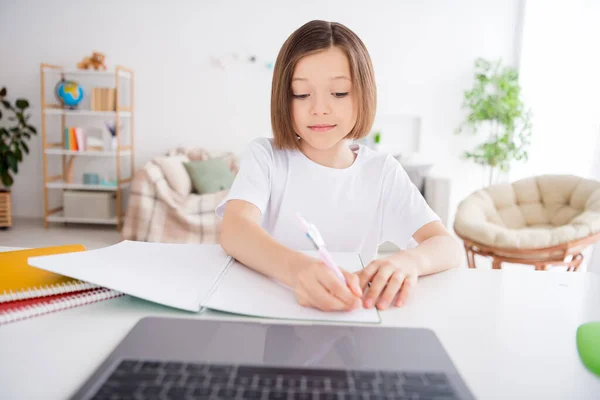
[[0, 114], [32, 129], [12, 161], [6, 104], [22, 104], [18, 153], [7, 180], [25, 147], [3, 92]]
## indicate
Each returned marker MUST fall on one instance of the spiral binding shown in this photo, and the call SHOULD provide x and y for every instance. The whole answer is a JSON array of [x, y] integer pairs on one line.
[[29, 293], [76, 300]]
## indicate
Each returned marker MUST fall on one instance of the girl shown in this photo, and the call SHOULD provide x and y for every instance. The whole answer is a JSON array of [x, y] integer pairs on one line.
[[323, 96]]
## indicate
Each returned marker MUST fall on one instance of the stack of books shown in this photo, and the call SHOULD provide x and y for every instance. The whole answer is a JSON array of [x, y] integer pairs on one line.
[[27, 292], [74, 139], [103, 99]]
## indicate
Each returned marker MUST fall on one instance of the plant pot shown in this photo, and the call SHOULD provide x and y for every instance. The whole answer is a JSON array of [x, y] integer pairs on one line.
[[5, 213]]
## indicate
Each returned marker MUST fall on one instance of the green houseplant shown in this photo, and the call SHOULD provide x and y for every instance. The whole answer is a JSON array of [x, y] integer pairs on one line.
[[494, 107], [13, 138]]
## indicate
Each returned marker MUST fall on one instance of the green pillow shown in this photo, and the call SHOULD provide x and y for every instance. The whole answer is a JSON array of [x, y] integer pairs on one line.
[[209, 176]]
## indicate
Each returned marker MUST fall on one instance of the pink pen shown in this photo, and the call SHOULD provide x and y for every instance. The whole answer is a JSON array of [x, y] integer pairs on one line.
[[315, 237]]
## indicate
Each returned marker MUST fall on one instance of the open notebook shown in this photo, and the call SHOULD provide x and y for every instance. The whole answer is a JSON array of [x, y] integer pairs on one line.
[[195, 276]]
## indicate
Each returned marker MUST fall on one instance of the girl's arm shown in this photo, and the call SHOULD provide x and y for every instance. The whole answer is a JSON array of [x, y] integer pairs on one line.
[[244, 239], [314, 284], [437, 251]]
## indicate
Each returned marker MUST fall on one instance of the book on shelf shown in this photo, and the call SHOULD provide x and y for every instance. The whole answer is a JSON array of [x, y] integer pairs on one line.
[[103, 99], [75, 139]]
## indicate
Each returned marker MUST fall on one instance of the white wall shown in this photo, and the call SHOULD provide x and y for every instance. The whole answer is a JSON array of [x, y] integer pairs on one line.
[[423, 53]]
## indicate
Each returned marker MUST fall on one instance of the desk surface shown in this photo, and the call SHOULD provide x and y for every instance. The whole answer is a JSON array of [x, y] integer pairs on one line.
[[511, 334]]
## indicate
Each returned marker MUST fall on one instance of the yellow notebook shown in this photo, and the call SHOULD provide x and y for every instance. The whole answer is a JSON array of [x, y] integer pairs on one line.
[[19, 280]]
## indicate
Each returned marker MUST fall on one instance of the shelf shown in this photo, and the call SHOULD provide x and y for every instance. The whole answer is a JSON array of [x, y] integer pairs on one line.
[[89, 113], [59, 217], [83, 72], [83, 186], [87, 153]]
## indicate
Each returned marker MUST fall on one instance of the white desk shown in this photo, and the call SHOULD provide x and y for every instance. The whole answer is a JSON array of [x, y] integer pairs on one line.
[[511, 335]]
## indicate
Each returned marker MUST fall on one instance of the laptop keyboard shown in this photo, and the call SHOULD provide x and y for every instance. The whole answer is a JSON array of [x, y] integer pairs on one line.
[[133, 379]]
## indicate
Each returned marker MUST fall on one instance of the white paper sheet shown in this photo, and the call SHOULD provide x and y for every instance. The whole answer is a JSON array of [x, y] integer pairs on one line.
[[244, 291], [176, 275], [185, 276]]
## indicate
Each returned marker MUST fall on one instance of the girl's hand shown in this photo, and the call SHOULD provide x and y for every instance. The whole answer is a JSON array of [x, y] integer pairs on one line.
[[392, 280], [317, 286]]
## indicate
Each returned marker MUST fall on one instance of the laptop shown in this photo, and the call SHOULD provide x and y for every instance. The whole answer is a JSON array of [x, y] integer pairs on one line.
[[175, 358]]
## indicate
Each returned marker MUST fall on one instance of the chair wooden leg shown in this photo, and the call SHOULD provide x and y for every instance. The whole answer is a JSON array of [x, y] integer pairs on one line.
[[496, 264], [470, 256], [541, 267]]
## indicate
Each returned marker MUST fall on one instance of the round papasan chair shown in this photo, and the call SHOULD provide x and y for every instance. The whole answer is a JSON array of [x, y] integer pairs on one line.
[[542, 221]]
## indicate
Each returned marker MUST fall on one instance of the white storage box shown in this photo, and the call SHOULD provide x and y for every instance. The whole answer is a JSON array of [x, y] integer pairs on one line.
[[96, 205]]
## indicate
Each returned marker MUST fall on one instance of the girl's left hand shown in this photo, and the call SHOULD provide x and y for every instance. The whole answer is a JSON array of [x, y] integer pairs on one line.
[[392, 280]]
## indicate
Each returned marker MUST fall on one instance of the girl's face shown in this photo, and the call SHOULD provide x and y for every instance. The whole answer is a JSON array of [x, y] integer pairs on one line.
[[323, 104]]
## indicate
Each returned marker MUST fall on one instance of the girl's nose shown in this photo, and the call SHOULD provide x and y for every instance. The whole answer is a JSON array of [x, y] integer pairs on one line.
[[320, 106]]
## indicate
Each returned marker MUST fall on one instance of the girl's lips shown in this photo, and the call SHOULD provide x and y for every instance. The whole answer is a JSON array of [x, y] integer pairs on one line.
[[321, 128]]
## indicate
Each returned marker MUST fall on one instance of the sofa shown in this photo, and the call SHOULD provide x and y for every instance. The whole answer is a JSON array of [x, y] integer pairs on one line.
[[163, 206]]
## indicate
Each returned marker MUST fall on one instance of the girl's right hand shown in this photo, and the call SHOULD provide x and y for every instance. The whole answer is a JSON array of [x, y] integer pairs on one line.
[[317, 286]]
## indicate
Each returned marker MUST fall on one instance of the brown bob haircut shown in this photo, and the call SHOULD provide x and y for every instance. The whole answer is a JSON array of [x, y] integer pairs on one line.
[[311, 38]]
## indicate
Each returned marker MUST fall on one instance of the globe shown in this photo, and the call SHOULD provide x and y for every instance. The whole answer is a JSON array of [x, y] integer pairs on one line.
[[69, 93]]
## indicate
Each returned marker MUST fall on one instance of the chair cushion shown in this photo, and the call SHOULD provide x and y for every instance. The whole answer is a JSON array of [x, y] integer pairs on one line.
[[210, 176], [531, 213]]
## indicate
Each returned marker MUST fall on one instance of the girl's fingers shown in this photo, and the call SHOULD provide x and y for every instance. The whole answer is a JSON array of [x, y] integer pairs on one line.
[[353, 283], [324, 300], [366, 274], [378, 283], [338, 289], [391, 290], [405, 291]]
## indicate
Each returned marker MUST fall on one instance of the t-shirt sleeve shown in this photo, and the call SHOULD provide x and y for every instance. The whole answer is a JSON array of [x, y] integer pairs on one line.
[[253, 180], [405, 210]]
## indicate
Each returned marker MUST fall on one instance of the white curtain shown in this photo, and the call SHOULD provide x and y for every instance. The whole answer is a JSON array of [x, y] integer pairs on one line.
[[559, 71]]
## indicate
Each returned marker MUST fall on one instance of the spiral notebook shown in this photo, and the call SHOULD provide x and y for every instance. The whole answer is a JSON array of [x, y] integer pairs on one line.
[[26, 291], [19, 281], [13, 311], [194, 277]]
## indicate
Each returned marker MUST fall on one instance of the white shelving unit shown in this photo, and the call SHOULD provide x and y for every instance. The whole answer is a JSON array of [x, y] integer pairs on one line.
[[83, 186], [86, 113], [59, 217], [90, 153], [53, 73]]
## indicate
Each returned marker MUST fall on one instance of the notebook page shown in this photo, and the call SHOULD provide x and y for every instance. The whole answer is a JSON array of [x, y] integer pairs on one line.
[[245, 291], [175, 275]]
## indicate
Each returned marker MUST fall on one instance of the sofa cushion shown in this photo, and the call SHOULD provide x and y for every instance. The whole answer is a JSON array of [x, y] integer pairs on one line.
[[210, 176], [175, 173]]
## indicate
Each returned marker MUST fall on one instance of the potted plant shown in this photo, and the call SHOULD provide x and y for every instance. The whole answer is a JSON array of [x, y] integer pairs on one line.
[[13, 143], [376, 144], [495, 108]]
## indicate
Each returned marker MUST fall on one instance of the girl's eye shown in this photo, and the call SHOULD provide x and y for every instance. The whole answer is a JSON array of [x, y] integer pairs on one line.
[[300, 96], [340, 95]]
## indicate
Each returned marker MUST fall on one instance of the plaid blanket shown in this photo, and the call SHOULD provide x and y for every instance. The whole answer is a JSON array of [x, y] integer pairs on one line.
[[156, 213]]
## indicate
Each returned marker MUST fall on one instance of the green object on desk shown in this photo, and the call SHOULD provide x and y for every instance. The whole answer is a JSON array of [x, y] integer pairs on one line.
[[588, 345]]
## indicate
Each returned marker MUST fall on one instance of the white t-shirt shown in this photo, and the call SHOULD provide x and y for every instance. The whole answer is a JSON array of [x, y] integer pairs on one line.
[[355, 208]]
